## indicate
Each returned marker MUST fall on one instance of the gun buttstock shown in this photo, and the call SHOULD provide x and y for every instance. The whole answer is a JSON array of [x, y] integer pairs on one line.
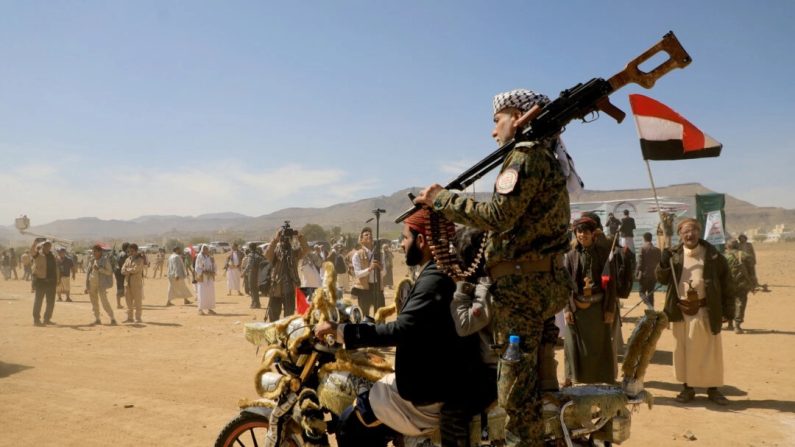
[[677, 58]]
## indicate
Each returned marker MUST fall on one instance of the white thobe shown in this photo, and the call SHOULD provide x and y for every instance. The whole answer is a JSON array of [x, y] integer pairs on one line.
[[698, 353], [205, 289], [233, 273]]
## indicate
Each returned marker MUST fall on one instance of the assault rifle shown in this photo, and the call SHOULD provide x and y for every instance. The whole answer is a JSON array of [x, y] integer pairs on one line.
[[577, 102]]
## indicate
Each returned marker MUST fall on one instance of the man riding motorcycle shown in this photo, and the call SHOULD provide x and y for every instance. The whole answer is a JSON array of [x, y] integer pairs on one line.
[[438, 376]]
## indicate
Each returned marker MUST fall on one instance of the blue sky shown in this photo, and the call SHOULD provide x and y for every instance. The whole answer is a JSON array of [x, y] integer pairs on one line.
[[119, 109]]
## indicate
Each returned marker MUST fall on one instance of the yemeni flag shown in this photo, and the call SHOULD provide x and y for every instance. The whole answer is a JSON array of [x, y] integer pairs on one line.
[[667, 135]]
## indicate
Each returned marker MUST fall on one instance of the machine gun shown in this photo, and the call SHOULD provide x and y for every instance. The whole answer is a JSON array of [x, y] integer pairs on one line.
[[577, 102]]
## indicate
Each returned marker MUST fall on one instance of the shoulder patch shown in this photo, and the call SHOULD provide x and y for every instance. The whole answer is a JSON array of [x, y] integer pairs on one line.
[[506, 181]]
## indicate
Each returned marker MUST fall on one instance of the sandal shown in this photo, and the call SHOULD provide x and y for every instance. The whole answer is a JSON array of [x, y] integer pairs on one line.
[[686, 395]]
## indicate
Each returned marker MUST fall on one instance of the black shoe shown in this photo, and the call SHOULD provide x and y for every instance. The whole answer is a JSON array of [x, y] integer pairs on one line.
[[686, 395], [49, 323], [738, 329], [716, 396], [730, 326], [38, 323], [68, 300], [113, 323], [96, 322]]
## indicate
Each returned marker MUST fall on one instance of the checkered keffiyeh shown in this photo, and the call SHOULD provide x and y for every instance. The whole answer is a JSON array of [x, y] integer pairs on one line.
[[521, 99]]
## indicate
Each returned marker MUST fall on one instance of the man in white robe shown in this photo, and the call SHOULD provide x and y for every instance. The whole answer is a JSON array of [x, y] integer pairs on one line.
[[699, 299], [176, 278], [205, 281], [233, 270]]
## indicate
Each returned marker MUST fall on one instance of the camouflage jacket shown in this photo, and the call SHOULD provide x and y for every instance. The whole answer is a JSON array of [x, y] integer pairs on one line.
[[528, 214], [740, 267]]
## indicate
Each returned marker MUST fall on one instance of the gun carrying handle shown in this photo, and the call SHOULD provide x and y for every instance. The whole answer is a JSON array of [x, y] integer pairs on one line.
[[677, 58]]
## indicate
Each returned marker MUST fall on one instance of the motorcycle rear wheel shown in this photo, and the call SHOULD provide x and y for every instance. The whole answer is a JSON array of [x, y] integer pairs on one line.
[[247, 429]]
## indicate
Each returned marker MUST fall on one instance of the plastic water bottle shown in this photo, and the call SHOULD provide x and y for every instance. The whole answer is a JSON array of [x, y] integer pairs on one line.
[[508, 371], [514, 352]]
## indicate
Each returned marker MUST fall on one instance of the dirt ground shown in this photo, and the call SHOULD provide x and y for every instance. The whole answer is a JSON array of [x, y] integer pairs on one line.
[[175, 379]]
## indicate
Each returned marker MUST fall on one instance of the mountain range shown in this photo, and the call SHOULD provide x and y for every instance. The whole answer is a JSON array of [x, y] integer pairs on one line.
[[350, 217]]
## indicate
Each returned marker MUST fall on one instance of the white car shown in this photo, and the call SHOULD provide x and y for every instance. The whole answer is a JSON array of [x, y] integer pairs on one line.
[[220, 247], [149, 248]]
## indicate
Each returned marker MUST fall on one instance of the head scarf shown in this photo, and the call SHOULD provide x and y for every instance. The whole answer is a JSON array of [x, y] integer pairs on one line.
[[688, 221], [585, 223], [420, 222], [594, 217], [520, 98]]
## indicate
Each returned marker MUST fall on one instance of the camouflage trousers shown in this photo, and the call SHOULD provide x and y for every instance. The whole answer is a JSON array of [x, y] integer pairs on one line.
[[526, 306], [740, 303]]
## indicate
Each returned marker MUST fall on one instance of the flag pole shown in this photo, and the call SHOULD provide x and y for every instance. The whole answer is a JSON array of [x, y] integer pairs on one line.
[[659, 212]]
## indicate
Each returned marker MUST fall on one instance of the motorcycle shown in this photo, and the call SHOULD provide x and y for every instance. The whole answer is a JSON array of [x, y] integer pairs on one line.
[[304, 384]]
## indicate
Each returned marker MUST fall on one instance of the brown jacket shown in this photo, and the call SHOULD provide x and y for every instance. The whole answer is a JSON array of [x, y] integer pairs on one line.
[[40, 266], [648, 261], [133, 271]]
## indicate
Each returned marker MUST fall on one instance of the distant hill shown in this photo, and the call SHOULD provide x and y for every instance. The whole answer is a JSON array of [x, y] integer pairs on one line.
[[350, 217], [740, 215]]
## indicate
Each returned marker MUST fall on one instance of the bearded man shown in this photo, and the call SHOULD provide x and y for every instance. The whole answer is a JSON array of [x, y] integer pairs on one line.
[[438, 376], [699, 299]]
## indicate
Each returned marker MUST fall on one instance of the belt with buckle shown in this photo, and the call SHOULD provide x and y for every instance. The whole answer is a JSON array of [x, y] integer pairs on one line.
[[595, 298], [545, 264], [690, 307]]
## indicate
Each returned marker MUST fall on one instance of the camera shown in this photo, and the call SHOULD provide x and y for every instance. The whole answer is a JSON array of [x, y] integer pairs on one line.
[[286, 231]]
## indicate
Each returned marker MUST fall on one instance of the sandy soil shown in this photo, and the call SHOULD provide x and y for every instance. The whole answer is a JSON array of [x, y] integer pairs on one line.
[[175, 379]]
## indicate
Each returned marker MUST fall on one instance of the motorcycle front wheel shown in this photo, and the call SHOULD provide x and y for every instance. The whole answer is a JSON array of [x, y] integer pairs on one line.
[[248, 429]]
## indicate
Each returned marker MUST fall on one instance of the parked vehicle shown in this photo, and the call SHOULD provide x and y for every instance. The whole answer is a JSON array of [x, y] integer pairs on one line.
[[258, 243], [220, 247], [148, 248]]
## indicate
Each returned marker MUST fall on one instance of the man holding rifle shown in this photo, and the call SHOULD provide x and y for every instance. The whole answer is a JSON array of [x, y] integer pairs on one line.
[[527, 219]]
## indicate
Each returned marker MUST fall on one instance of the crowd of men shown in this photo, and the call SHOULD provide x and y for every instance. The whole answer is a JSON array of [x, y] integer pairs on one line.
[[450, 336], [277, 270]]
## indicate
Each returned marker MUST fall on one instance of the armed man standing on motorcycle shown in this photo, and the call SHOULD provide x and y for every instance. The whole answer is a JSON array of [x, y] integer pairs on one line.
[[527, 219], [438, 376]]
